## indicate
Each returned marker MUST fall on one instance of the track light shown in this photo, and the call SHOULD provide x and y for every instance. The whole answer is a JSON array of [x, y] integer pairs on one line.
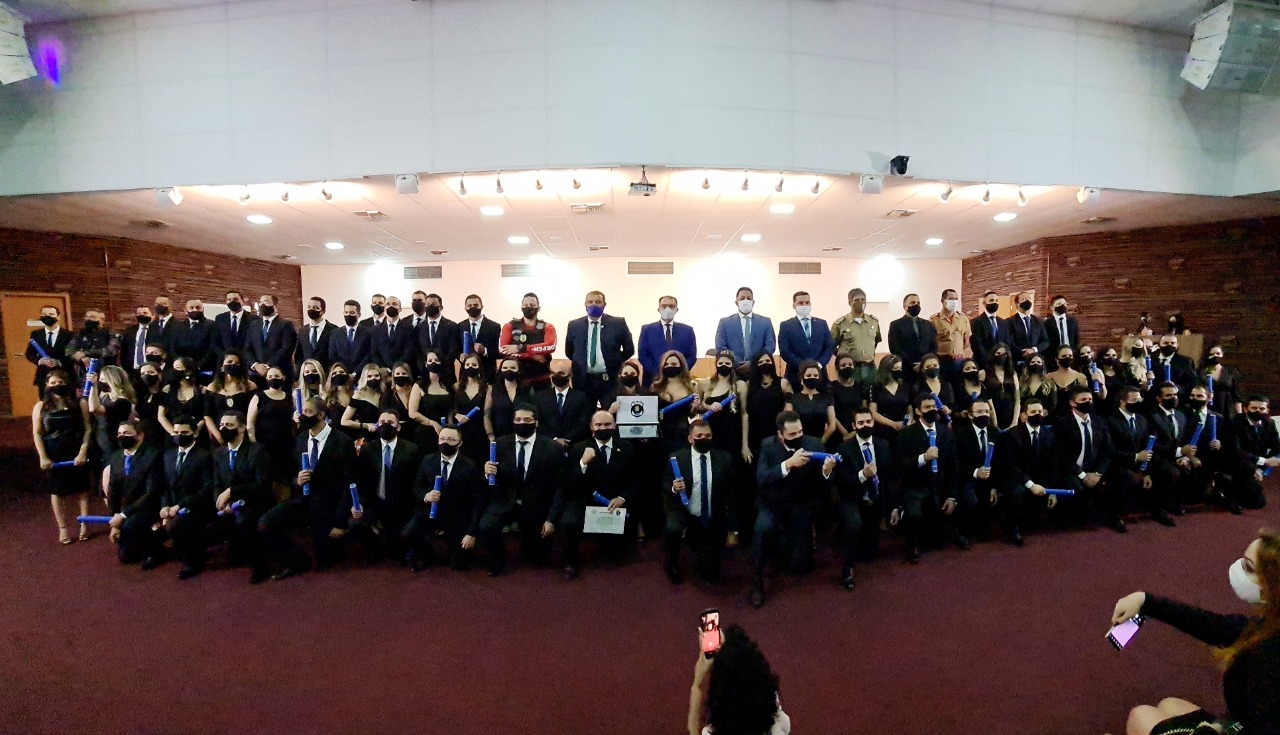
[[986, 195], [1022, 197], [706, 182], [576, 184], [537, 183], [746, 183], [244, 196], [324, 192], [498, 188], [169, 196], [816, 186], [945, 196], [1088, 194], [462, 185], [778, 188]]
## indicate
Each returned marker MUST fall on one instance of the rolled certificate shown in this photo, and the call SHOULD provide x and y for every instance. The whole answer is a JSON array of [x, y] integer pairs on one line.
[[466, 342], [297, 400], [933, 442], [235, 508], [823, 456], [43, 355], [991, 448], [906, 420], [602, 500], [93, 519], [942, 418], [206, 373], [183, 511], [1148, 363], [473, 414], [64, 463], [1055, 491], [866, 458], [93, 370], [493, 457], [1093, 381], [306, 465], [435, 504], [1209, 383], [675, 471], [1151, 444], [719, 406], [1195, 436], [677, 404], [1213, 427], [355, 499], [1168, 372]]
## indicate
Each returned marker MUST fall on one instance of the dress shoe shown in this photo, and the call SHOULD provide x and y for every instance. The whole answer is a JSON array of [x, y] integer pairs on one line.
[[1116, 523], [1219, 499], [673, 574], [913, 555], [1162, 518], [258, 577], [570, 573], [757, 597], [187, 572], [285, 574], [1015, 537], [151, 562], [1178, 510], [961, 542], [846, 578]]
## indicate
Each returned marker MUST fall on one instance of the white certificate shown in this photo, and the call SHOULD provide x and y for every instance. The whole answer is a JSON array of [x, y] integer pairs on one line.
[[603, 520]]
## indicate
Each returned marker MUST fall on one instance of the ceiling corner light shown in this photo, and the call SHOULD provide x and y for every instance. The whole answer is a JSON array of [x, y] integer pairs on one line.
[[244, 196], [491, 210], [498, 187], [986, 195], [1005, 217], [537, 183], [746, 182], [169, 195], [782, 208], [945, 196], [576, 184], [324, 192], [778, 188], [518, 240], [284, 194], [1022, 197], [706, 182], [933, 241], [462, 185], [751, 237], [259, 219], [977, 252], [1088, 194], [817, 185], [334, 245]]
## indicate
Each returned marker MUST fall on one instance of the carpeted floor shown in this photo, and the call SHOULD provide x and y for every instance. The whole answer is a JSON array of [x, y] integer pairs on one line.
[[996, 640]]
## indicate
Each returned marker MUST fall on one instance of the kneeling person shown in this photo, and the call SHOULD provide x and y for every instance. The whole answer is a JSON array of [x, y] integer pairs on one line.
[[186, 505], [132, 483], [528, 470], [458, 504], [706, 480]]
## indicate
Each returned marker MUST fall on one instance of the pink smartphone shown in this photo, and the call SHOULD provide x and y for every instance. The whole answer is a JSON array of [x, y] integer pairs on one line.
[[709, 632], [1120, 635]]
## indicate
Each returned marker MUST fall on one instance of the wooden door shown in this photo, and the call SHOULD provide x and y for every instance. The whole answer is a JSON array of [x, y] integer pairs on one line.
[[21, 314]]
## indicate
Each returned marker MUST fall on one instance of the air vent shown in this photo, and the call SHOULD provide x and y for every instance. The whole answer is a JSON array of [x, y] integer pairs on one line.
[[651, 268], [596, 248], [420, 272], [832, 250], [586, 207], [154, 224], [799, 268], [287, 257], [517, 270], [1097, 220], [900, 213], [370, 214]]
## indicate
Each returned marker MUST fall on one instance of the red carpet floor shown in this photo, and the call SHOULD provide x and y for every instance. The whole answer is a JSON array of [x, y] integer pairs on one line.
[[996, 640]]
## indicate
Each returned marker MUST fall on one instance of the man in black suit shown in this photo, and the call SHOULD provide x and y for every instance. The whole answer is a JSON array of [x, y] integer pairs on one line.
[[790, 485], [484, 332], [1174, 452], [707, 482], [911, 338], [979, 500], [597, 344], [384, 475], [315, 497], [53, 341], [1217, 458], [864, 478], [1258, 446], [163, 323], [133, 348], [1026, 462], [316, 334], [349, 344], [929, 489], [231, 328], [186, 504], [393, 340], [1061, 329], [193, 338], [1129, 431], [564, 412], [1084, 456], [1168, 365], [378, 311], [242, 472], [133, 485], [272, 343], [601, 468], [528, 471], [1027, 335], [459, 502], [988, 329], [441, 334]]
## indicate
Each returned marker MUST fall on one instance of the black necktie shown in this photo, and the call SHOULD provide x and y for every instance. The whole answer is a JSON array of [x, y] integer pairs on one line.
[[705, 498], [560, 403], [1035, 441], [391, 330], [351, 336], [604, 453], [433, 334], [1088, 445], [1133, 426], [177, 467], [444, 474], [994, 329], [475, 332], [520, 459], [915, 324], [982, 441], [315, 335], [668, 328]]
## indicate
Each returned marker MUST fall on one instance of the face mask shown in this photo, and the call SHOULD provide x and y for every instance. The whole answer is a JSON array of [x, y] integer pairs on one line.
[[1108, 361], [393, 311], [474, 312], [847, 373], [49, 321], [812, 383], [340, 379], [667, 314], [804, 311], [930, 416], [151, 379], [104, 388], [524, 431], [896, 373], [373, 381], [233, 371], [311, 379], [1000, 359], [511, 375], [433, 310], [1060, 309], [275, 383], [195, 316], [1065, 362], [127, 442], [1245, 587], [724, 371], [448, 450], [992, 308], [794, 444], [1035, 420], [184, 440], [470, 372], [530, 312], [234, 306], [1254, 416], [1214, 359], [981, 422], [418, 306], [952, 304], [745, 306], [266, 310], [161, 310], [314, 314], [865, 432], [1168, 350], [671, 371], [59, 390], [377, 309], [1085, 408], [1024, 305], [765, 368], [307, 423], [913, 311], [1139, 352], [595, 311], [702, 445], [434, 367], [602, 435], [931, 372], [144, 320], [559, 380], [629, 381], [350, 320], [1170, 402], [402, 380], [971, 376], [1196, 403], [90, 325], [1037, 368], [387, 432]]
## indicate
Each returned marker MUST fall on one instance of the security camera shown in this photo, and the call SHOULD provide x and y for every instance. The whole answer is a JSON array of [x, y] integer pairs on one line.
[[898, 165]]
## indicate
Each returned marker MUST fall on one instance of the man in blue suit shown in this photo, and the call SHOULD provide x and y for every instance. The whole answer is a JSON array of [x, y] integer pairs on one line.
[[597, 344], [745, 334], [663, 335], [804, 338]]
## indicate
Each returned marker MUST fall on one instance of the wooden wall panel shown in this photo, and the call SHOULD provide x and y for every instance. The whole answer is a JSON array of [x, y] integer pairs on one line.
[[1221, 276], [117, 275]]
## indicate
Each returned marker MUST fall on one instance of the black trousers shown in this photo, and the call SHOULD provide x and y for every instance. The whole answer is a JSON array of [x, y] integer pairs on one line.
[[137, 540], [612, 546], [534, 549], [244, 543], [850, 511], [597, 385], [423, 534], [923, 519], [278, 524], [785, 525], [378, 530], [706, 541], [190, 534]]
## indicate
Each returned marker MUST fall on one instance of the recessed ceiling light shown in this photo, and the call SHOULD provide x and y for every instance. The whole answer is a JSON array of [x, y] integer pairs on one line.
[[781, 208], [977, 252], [518, 240], [1005, 217], [751, 237], [491, 210], [334, 245], [933, 241], [259, 219]]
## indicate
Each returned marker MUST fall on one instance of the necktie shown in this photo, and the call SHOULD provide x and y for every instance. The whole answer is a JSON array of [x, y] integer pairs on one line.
[[391, 330], [994, 329], [595, 343], [807, 333], [915, 324], [315, 336], [315, 452], [235, 326], [141, 346], [1035, 441], [182, 457], [444, 474], [475, 332], [128, 465], [48, 337], [1088, 445], [520, 459], [668, 331], [351, 336], [1026, 326], [604, 453], [705, 495], [266, 327], [417, 320], [231, 457], [386, 470], [746, 335], [982, 441], [560, 403], [1133, 425], [433, 334]]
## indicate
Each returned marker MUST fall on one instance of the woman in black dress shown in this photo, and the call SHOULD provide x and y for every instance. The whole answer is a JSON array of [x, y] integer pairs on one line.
[[1114, 378], [890, 400], [182, 397], [970, 389], [229, 391], [766, 397], [270, 420], [110, 401], [398, 397], [471, 395], [649, 457], [500, 403], [673, 385], [151, 397], [337, 396], [847, 397], [61, 430], [311, 380], [362, 411], [432, 401], [932, 384], [1001, 382], [813, 403], [1227, 390], [726, 423]]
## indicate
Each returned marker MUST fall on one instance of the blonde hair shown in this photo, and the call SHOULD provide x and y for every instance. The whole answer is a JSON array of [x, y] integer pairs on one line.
[[660, 381], [118, 379]]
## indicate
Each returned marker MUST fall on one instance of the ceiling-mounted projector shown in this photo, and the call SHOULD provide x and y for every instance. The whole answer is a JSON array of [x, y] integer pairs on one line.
[[643, 188], [1235, 46]]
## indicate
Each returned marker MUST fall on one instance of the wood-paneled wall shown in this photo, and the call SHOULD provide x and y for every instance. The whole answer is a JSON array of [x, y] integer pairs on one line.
[[1222, 277], [117, 275]]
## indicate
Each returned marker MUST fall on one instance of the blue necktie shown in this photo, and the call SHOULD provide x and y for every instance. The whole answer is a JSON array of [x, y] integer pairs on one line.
[[141, 357], [705, 498], [315, 452], [128, 465], [266, 326], [351, 336], [386, 456], [807, 334], [560, 403], [232, 455]]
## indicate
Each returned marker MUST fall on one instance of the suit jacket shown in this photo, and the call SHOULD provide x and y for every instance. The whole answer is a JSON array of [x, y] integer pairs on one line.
[[1026, 335], [616, 478], [190, 487], [224, 339], [352, 353], [1127, 442], [462, 498], [276, 347], [904, 343], [536, 488], [56, 351], [386, 350], [984, 339], [129, 346], [400, 497], [194, 341], [250, 481], [1254, 443], [574, 423], [332, 474], [140, 491], [1069, 440], [448, 343], [487, 335], [1170, 438], [1017, 462], [729, 337], [653, 343], [1221, 460], [1055, 339], [1182, 371], [722, 488], [615, 345], [851, 486], [969, 454], [795, 348], [803, 485], [321, 351], [913, 441]]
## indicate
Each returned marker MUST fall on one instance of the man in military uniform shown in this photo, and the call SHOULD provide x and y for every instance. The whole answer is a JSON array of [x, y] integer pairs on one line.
[[531, 341], [858, 334]]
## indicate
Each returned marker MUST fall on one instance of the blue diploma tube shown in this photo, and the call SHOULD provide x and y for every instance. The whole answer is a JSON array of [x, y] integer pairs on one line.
[[991, 448], [1209, 384], [1168, 373], [493, 457], [183, 511], [43, 355], [1054, 491], [822, 456], [235, 508], [866, 457], [93, 519], [677, 404], [355, 499], [435, 506], [1213, 427], [933, 442], [1092, 380], [1195, 438], [466, 342], [206, 373], [64, 463], [297, 400], [93, 370], [602, 500], [719, 406], [306, 465], [1148, 363], [906, 420], [473, 414], [942, 418], [1151, 444], [675, 471]]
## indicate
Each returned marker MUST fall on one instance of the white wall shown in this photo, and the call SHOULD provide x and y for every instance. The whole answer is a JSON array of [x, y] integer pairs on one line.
[[705, 288], [293, 90]]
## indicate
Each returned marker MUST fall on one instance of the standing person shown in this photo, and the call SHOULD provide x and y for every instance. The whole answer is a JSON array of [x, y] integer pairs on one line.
[[658, 338], [61, 431], [271, 425], [1034, 384], [163, 310], [745, 333], [987, 329], [672, 385], [1227, 389], [528, 472], [337, 396], [136, 338], [846, 396], [864, 480], [970, 390], [564, 412], [1062, 330], [484, 335], [736, 692], [1065, 379], [765, 397], [1002, 386], [597, 344], [430, 403], [858, 334], [350, 345], [273, 342], [706, 479], [151, 398], [242, 472], [1026, 332], [804, 338], [393, 340], [52, 355], [953, 335], [472, 393], [890, 399], [812, 402], [365, 405], [926, 454], [182, 396], [531, 340], [1115, 378], [110, 402], [230, 390], [398, 397], [930, 383], [186, 503], [133, 485], [317, 332], [911, 338], [95, 341], [600, 467], [377, 312], [503, 396], [193, 338], [439, 333], [231, 328], [726, 423]]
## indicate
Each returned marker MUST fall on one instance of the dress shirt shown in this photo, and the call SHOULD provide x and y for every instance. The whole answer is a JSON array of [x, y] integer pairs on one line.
[[694, 490]]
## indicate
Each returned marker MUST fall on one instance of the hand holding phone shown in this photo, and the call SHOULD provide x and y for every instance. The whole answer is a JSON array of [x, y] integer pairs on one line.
[[1120, 635], [709, 632]]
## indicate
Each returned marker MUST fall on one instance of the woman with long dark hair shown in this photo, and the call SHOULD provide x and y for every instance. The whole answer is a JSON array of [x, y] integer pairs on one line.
[[1001, 381], [61, 431], [736, 692]]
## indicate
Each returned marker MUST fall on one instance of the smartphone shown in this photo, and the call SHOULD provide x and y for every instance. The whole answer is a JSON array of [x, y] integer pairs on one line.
[[709, 632], [1120, 635]]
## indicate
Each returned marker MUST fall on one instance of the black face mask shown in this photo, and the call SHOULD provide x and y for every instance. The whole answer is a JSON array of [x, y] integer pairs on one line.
[[930, 416], [1133, 407], [234, 306], [377, 309], [1109, 361], [559, 381], [529, 312], [127, 442], [1255, 416], [671, 371], [629, 381], [812, 383], [350, 320], [434, 367], [1196, 403], [514, 375], [603, 435], [992, 308], [914, 311], [971, 376], [1213, 359], [1035, 420], [981, 422], [1139, 351], [1024, 305], [161, 310], [702, 445], [266, 310], [1085, 408], [233, 371], [1065, 362], [195, 316], [49, 321], [184, 440], [794, 444], [307, 423], [387, 432], [1168, 350], [847, 373], [1170, 402], [1000, 359], [433, 310], [724, 371], [931, 373], [311, 378], [1036, 369], [765, 369], [59, 390], [896, 374], [393, 312], [103, 387], [402, 380], [470, 372], [865, 432], [418, 306], [143, 320], [524, 431], [474, 312], [314, 314], [90, 325], [340, 379], [1059, 310], [151, 379], [275, 383]]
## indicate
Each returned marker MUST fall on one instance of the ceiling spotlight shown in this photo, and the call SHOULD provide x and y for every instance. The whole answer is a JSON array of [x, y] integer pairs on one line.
[[169, 195], [746, 183], [898, 165], [335, 245], [324, 191], [945, 196], [706, 183], [537, 183], [751, 237], [498, 188], [782, 208], [259, 219], [244, 196], [406, 183], [518, 240], [816, 186], [1005, 217], [986, 195], [284, 194], [462, 185], [933, 241], [491, 210], [576, 184], [1088, 194], [1022, 197], [778, 188]]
